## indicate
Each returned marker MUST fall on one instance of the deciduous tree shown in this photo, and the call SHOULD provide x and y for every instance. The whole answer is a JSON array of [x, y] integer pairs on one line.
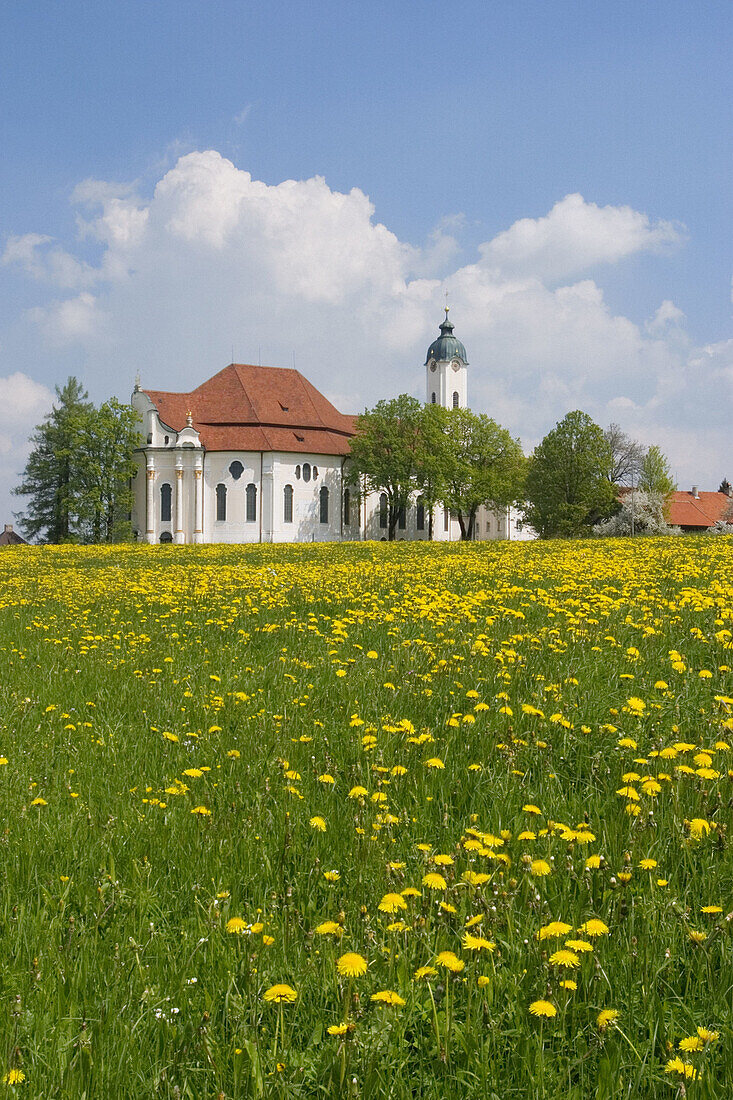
[[568, 486], [483, 465]]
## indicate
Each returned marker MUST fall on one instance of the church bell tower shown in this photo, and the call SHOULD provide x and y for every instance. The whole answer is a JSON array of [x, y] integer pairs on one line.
[[445, 368]]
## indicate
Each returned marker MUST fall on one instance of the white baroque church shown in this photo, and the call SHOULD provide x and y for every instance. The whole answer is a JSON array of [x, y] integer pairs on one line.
[[257, 454]]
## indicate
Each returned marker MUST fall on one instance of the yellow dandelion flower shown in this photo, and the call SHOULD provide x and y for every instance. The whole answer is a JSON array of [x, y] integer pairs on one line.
[[318, 823], [237, 925], [707, 1035], [606, 1017], [425, 972], [450, 961], [14, 1077], [697, 937], [337, 1029], [554, 929], [694, 1043], [388, 997], [594, 927], [540, 867], [351, 965], [280, 994], [203, 811], [477, 943], [683, 1069], [328, 928], [543, 1008], [579, 945], [434, 881], [390, 903], [435, 762], [564, 957], [569, 984], [711, 909]]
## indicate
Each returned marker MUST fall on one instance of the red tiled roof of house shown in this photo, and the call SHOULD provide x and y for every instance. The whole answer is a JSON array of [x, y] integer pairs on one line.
[[702, 511], [248, 408]]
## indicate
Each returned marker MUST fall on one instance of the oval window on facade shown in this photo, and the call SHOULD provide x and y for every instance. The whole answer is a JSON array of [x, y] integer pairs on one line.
[[236, 469], [306, 471]]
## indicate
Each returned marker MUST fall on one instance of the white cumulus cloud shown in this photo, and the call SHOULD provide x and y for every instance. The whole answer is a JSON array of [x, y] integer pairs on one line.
[[214, 265]]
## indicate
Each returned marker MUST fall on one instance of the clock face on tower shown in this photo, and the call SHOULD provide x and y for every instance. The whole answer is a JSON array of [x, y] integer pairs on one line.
[[456, 365], [432, 364]]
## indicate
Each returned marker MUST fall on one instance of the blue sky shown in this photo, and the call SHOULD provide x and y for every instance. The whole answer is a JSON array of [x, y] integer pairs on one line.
[[458, 122]]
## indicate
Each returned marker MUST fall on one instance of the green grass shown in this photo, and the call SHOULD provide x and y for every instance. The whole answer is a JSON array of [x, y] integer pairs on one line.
[[119, 978]]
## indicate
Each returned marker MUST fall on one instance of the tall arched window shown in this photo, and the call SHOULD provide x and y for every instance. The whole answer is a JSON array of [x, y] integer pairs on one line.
[[445, 519], [420, 517], [347, 507], [251, 503], [455, 399], [323, 501], [221, 502], [306, 471], [166, 494], [288, 504], [402, 519], [383, 511], [432, 398]]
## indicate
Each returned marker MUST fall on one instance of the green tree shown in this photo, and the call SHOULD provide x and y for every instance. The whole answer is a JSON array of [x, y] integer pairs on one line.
[[107, 438], [568, 486], [386, 453], [483, 465], [655, 475], [51, 478], [77, 477], [431, 460]]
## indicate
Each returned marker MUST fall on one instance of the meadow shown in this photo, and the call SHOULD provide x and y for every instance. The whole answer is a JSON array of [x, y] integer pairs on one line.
[[367, 820]]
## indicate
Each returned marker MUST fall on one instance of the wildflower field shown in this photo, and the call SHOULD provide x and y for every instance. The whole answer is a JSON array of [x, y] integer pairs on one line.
[[367, 820]]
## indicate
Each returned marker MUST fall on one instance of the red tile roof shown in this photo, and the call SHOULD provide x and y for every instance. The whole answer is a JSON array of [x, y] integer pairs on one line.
[[701, 511], [247, 408]]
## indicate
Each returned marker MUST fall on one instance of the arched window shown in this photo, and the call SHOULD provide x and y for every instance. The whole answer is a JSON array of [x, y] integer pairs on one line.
[[402, 519], [236, 469], [323, 501], [166, 537], [432, 398], [383, 510], [315, 472], [251, 503], [297, 472], [221, 502], [455, 399], [420, 517], [288, 504], [166, 494], [445, 519], [347, 507], [306, 471]]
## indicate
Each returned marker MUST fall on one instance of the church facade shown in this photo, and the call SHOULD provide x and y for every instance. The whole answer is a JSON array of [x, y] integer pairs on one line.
[[257, 454]]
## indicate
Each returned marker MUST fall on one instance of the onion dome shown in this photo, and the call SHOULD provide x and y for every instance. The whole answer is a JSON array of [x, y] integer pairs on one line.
[[447, 346]]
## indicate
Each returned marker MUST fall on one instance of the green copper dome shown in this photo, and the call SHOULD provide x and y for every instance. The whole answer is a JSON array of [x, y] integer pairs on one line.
[[447, 346]]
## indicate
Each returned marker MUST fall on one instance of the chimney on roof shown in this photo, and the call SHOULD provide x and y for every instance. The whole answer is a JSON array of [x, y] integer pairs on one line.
[[695, 493], [8, 528]]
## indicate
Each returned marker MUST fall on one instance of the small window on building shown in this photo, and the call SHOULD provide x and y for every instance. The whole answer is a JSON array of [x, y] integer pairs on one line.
[[455, 399], [166, 537], [166, 439], [315, 472], [432, 398], [150, 437], [300, 438], [402, 519], [297, 472], [236, 469], [251, 514], [445, 519], [347, 507], [288, 504], [420, 517], [166, 494], [383, 511], [306, 471], [221, 503], [323, 501]]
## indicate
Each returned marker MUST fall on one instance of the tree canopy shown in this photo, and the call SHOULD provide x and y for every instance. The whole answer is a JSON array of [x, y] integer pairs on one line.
[[655, 475], [568, 486], [77, 477], [387, 452], [482, 464]]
